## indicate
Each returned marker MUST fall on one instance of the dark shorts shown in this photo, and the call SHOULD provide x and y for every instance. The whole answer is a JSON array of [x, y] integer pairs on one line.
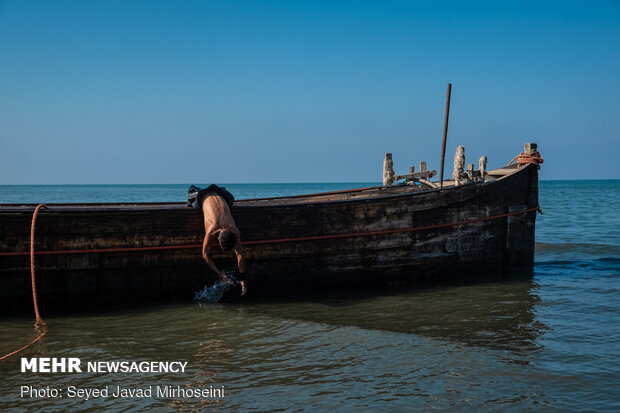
[[195, 195]]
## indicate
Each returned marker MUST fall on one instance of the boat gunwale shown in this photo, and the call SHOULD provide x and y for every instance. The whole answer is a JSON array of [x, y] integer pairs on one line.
[[140, 206]]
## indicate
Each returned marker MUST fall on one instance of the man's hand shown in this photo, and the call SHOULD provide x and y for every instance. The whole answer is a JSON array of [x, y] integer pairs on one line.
[[232, 281], [225, 278]]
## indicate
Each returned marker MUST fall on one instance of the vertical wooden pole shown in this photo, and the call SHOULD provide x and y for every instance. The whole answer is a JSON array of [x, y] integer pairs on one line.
[[459, 164], [445, 134], [530, 148], [389, 177], [482, 164]]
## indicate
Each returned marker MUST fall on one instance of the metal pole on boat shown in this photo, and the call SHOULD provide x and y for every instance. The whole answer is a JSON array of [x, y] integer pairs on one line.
[[445, 134]]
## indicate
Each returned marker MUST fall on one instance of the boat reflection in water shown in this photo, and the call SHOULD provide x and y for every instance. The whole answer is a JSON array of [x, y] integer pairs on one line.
[[442, 346], [497, 315]]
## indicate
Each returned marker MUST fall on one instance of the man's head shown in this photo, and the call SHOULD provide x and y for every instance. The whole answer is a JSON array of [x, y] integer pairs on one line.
[[227, 240]]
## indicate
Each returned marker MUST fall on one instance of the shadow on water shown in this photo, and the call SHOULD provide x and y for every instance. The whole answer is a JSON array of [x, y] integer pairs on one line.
[[498, 315]]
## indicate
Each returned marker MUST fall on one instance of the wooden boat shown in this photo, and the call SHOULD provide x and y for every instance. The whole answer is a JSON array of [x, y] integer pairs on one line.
[[100, 255]]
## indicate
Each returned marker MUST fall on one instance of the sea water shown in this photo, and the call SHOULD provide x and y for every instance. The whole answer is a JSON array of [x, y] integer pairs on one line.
[[551, 343]]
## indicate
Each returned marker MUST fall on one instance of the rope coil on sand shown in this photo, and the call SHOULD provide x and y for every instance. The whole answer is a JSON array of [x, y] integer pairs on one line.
[[40, 325]]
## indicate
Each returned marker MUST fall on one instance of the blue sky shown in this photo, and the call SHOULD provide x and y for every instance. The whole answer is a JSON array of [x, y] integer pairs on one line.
[[292, 91]]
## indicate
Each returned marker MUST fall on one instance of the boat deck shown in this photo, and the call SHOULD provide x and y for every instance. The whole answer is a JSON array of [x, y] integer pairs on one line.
[[323, 197]]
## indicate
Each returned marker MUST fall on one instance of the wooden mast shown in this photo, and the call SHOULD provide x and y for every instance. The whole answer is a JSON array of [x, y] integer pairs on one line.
[[445, 134]]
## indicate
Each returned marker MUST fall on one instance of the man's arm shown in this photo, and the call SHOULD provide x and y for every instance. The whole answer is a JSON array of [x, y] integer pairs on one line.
[[238, 252], [206, 249], [240, 261]]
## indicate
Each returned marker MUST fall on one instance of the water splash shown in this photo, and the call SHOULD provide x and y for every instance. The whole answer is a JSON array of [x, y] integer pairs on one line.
[[214, 293]]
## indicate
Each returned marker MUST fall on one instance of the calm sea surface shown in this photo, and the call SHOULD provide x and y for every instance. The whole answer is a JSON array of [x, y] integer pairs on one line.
[[551, 343]]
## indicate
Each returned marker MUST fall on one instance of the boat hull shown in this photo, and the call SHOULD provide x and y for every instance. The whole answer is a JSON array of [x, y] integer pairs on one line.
[[93, 256]]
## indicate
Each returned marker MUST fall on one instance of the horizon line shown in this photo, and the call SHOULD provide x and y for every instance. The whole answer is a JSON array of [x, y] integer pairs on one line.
[[275, 183]]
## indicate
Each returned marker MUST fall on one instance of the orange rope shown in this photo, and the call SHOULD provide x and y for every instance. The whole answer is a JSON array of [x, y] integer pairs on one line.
[[96, 250], [392, 231], [39, 325], [277, 241], [32, 263], [524, 159]]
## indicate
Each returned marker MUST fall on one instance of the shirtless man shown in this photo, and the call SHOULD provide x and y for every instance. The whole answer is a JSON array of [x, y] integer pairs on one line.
[[220, 226]]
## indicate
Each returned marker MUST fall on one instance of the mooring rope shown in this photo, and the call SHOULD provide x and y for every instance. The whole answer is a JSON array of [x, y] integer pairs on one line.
[[524, 159], [40, 325], [392, 231]]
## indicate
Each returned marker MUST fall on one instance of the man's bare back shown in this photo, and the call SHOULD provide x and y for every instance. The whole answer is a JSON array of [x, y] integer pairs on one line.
[[220, 228]]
